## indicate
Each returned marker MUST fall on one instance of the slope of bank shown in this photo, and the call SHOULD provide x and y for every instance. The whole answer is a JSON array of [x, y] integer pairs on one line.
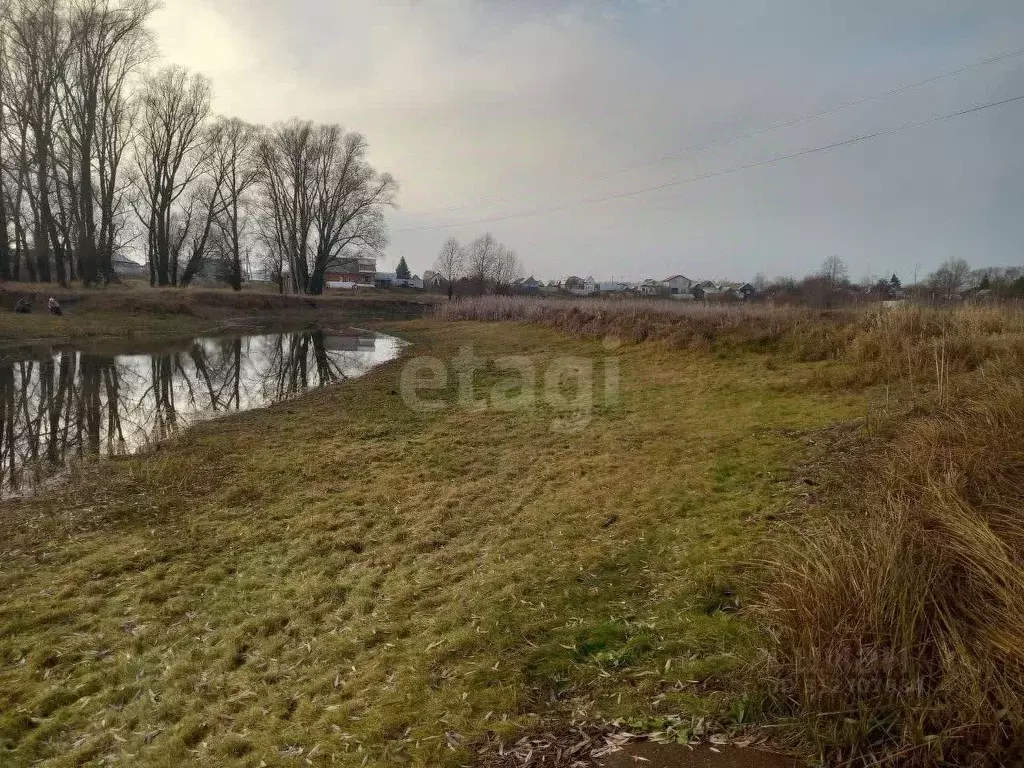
[[118, 311], [346, 580]]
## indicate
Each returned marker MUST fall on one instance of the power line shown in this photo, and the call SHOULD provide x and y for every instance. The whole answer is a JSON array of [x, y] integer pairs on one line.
[[755, 133], [716, 174]]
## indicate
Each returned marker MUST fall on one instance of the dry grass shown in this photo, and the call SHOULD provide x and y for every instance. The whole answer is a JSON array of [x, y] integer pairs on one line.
[[898, 622], [341, 580], [682, 325], [902, 345]]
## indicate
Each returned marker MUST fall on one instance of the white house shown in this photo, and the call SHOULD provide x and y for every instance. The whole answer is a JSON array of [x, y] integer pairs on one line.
[[677, 284], [590, 285]]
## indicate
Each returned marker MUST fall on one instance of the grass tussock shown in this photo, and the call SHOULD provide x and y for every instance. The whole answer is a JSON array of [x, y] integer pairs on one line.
[[897, 624]]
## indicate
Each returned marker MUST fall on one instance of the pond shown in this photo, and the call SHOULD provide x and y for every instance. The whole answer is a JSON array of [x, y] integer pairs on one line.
[[62, 403]]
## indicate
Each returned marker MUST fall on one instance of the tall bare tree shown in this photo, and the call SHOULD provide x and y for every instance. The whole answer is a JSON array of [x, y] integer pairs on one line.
[[38, 47], [233, 159], [481, 259], [949, 279], [490, 264], [324, 197], [6, 214], [109, 42], [835, 274], [171, 151], [506, 268], [451, 263]]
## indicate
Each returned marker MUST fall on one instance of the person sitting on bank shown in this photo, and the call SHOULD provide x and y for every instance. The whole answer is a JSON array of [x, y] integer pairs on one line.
[[23, 306], [54, 306]]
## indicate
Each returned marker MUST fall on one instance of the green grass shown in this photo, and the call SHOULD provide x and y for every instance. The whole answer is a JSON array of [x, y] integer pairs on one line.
[[343, 576]]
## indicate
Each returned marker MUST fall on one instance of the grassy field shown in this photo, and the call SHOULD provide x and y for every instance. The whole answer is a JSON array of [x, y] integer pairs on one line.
[[787, 517], [342, 580]]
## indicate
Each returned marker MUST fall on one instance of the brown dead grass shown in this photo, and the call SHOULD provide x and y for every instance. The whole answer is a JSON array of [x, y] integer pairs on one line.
[[908, 345], [897, 622]]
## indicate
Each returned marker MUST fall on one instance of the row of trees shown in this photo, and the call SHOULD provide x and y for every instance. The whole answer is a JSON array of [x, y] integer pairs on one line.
[[485, 264], [101, 155]]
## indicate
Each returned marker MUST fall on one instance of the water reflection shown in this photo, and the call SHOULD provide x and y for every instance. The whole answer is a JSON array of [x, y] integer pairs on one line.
[[57, 405]]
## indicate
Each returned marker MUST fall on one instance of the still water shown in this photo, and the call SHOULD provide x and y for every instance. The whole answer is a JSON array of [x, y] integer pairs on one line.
[[60, 404]]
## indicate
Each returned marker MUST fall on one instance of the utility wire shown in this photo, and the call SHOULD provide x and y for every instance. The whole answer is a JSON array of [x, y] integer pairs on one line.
[[716, 174], [755, 133]]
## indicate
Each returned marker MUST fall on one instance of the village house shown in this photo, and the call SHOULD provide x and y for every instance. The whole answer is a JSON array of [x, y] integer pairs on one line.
[[526, 285], [650, 287], [553, 287], [358, 270], [125, 267], [677, 285], [742, 291], [391, 280]]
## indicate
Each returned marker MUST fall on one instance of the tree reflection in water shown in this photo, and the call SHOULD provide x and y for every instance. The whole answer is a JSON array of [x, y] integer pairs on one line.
[[57, 406]]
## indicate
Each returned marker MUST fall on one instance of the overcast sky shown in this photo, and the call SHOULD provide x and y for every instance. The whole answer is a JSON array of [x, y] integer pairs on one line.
[[490, 109]]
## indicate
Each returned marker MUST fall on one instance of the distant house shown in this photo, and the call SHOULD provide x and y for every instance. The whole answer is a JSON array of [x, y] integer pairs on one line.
[[652, 288], [434, 281], [677, 284], [552, 287], [573, 284], [590, 285], [361, 270], [742, 291], [391, 280], [526, 285], [125, 267], [705, 289], [611, 287]]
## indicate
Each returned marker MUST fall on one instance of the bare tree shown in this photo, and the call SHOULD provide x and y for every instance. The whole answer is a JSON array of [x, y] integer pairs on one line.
[[481, 260], [324, 198], [949, 279], [233, 160], [6, 213], [171, 151], [109, 42], [451, 263], [489, 263], [506, 268], [37, 49], [834, 273]]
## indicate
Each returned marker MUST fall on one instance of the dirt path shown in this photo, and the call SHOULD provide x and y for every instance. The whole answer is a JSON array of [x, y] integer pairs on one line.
[[650, 755]]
